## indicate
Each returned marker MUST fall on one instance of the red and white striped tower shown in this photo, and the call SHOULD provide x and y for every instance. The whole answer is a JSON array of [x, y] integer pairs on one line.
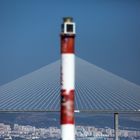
[[67, 79]]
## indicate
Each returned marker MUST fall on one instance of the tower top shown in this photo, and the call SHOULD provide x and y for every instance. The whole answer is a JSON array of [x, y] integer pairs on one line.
[[68, 19], [68, 26]]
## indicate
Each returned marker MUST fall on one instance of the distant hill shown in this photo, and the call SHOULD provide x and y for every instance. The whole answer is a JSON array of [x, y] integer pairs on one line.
[[43, 120]]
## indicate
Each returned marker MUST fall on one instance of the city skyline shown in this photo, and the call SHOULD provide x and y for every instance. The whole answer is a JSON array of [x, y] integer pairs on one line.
[[32, 132]]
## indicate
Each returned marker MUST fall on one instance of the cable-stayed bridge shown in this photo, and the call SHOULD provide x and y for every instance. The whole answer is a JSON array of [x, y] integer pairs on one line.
[[96, 90]]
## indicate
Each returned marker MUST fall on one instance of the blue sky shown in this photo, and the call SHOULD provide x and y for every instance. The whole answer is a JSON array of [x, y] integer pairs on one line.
[[108, 35]]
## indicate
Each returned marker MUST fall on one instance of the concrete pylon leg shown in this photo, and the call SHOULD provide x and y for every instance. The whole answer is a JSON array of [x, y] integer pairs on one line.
[[116, 125]]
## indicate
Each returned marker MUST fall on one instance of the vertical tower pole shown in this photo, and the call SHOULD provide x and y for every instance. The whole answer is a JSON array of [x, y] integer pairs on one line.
[[67, 79], [116, 124]]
